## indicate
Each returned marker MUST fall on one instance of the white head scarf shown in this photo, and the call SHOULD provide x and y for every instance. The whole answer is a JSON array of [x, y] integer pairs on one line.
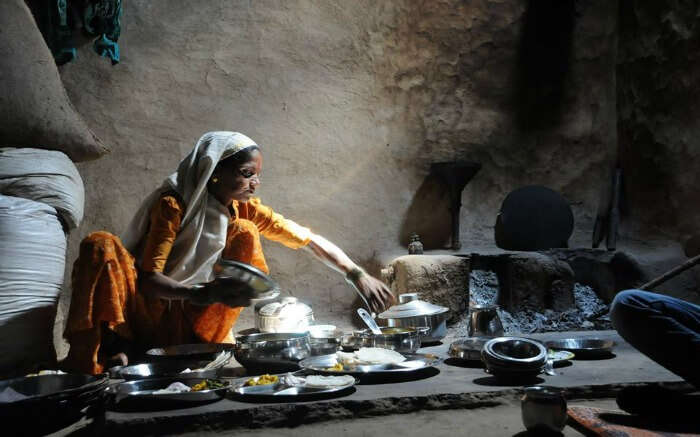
[[202, 235]]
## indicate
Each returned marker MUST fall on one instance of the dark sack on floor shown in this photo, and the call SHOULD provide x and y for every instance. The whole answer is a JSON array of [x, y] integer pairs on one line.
[[35, 110]]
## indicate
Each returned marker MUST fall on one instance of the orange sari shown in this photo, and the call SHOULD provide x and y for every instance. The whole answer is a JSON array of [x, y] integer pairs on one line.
[[105, 284]]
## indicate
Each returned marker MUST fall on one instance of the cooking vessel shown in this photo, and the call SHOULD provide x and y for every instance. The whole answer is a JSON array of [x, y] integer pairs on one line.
[[283, 315], [402, 340], [484, 321], [412, 312], [272, 352], [324, 339], [543, 409]]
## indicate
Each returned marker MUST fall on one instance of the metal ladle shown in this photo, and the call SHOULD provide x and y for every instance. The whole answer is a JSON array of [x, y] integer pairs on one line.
[[369, 321]]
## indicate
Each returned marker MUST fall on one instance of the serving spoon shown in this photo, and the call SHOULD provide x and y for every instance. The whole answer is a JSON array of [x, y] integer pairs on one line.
[[369, 321]]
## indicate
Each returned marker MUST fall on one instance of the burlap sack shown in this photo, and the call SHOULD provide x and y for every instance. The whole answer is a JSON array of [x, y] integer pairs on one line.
[[35, 110]]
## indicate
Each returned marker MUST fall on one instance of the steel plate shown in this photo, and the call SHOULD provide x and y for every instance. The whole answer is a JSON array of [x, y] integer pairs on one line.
[[413, 362], [142, 390], [261, 285], [172, 368], [583, 347], [291, 393]]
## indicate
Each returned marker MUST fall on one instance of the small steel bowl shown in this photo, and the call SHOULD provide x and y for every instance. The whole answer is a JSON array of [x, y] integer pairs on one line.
[[583, 347], [272, 352], [543, 409], [468, 349]]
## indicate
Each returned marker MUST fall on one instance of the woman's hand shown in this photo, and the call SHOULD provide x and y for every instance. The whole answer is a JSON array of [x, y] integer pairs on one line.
[[225, 292], [375, 292]]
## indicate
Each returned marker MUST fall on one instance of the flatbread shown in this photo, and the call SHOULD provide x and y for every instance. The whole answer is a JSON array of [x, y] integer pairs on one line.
[[320, 381], [378, 355]]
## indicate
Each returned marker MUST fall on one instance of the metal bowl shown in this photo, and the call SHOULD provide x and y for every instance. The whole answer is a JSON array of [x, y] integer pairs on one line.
[[192, 352], [468, 349], [583, 347], [272, 352], [402, 340], [543, 409], [170, 368], [514, 357]]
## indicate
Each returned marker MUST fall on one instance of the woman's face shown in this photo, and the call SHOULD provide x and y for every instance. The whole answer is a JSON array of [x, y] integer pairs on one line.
[[237, 182]]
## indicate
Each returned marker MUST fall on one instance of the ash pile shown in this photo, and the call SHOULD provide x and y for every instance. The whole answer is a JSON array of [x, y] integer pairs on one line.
[[584, 314]]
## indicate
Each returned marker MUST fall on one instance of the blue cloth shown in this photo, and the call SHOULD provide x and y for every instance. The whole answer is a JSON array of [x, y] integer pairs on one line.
[[664, 328]]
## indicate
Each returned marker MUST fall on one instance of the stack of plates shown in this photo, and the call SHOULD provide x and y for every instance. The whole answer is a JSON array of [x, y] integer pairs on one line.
[[56, 399], [514, 357]]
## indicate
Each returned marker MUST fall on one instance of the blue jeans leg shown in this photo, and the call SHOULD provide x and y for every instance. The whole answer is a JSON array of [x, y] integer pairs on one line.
[[664, 328]]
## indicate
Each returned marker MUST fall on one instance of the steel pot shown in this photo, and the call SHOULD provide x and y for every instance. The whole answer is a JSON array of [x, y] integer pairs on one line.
[[283, 315], [324, 339], [402, 340], [272, 352], [544, 409], [412, 312]]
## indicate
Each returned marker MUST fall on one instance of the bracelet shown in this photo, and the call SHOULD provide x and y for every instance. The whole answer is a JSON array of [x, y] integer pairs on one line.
[[354, 274]]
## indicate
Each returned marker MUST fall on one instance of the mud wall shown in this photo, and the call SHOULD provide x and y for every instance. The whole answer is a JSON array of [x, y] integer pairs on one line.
[[659, 117], [351, 102]]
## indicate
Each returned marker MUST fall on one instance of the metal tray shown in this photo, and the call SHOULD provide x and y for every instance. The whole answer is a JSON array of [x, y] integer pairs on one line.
[[583, 347], [142, 390], [414, 362], [286, 392]]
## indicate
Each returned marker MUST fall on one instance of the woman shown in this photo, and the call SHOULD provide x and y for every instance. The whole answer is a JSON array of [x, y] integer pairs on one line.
[[141, 291]]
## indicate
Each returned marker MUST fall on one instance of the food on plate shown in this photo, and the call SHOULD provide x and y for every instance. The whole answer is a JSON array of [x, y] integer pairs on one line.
[[366, 355], [378, 355], [337, 367], [208, 384], [320, 381], [175, 387], [292, 381], [262, 380]]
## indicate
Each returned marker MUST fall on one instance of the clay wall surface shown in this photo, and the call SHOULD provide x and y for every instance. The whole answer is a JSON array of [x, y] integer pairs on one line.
[[659, 117], [351, 102]]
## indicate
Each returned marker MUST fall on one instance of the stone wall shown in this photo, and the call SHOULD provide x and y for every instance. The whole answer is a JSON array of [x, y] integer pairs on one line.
[[351, 102]]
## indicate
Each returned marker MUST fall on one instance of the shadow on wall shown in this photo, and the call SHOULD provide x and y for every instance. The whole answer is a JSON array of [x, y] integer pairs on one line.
[[428, 216], [544, 60]]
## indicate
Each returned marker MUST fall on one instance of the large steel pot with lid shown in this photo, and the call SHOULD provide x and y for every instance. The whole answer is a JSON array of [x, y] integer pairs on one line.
[[412, 312], [283, 315]]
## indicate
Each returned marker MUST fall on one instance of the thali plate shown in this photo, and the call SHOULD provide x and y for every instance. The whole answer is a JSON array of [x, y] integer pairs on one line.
[[143, 390], [414, 362], [284, 391]]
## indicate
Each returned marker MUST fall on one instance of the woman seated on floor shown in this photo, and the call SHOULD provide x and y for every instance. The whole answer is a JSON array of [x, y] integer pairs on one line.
[[136, 293]]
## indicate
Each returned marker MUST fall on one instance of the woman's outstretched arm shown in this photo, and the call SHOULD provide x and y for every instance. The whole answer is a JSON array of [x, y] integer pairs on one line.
[[374, 291]]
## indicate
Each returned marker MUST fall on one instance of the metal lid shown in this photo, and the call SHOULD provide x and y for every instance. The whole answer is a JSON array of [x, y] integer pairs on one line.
[[411, 308]]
